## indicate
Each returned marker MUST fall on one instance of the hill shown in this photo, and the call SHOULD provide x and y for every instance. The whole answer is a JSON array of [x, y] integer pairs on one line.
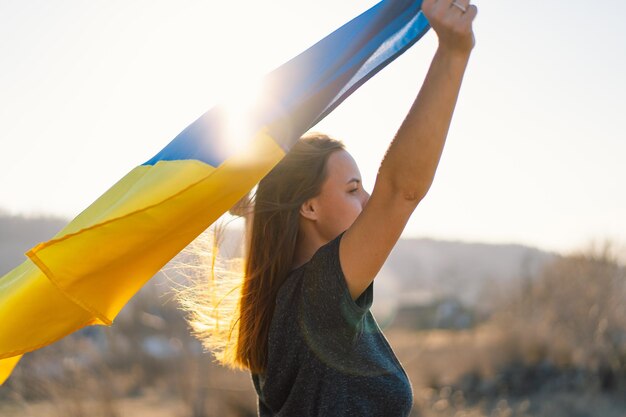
[[417, 272]]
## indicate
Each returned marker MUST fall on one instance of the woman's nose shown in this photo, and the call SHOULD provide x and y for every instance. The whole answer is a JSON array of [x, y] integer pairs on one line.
[[365, 198]]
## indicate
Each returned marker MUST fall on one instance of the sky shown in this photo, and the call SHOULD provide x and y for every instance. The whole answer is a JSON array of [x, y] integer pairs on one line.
[[535, 153]]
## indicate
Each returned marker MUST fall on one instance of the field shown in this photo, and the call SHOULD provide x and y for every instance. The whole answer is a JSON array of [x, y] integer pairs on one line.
[[553, 348]]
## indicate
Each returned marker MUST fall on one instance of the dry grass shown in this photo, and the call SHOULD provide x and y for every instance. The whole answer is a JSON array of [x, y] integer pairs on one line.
[[555, 348]]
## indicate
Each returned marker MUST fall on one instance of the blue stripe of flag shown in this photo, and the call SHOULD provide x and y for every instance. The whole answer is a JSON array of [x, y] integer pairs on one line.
[[308, 87]]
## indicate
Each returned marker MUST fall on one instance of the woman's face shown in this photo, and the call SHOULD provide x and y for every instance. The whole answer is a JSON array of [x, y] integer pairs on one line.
[[342, 196]]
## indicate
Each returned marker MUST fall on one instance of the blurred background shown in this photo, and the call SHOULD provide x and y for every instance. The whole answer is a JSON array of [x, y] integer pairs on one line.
[[505, 295], [481, 329]]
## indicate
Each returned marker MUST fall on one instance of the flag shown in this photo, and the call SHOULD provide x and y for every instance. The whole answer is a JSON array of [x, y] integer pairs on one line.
[[89, 270]]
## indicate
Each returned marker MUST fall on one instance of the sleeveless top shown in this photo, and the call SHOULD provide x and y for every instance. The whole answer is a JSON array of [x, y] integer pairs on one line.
[[327, 356]]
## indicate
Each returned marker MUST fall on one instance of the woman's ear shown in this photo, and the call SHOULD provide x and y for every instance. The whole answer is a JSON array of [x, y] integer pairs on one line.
[[308, 209]]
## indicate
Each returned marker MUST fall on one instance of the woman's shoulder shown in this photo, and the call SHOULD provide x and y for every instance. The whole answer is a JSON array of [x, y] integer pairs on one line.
[[320, 285], [324, 260]]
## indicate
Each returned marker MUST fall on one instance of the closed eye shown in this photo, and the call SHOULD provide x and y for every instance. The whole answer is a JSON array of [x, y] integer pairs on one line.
[[356, 182]]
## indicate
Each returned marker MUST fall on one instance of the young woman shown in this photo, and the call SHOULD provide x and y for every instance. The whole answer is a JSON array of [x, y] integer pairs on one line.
[[317, 241]]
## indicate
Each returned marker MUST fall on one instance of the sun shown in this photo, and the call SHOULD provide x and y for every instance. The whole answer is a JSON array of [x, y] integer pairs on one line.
[[239, 108]]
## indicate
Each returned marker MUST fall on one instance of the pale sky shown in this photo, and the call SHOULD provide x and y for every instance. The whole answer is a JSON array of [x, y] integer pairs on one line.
[[535, 154]]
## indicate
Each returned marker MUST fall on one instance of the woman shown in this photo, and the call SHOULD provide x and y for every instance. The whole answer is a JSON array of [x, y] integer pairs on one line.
[[317, 241]]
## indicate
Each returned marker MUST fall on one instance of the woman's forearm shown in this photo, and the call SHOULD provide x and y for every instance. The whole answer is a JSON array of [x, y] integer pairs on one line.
[[411, 161], [409, 166]]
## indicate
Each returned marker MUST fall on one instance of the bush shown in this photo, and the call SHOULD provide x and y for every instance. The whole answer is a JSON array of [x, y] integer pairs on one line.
[[572, 315]]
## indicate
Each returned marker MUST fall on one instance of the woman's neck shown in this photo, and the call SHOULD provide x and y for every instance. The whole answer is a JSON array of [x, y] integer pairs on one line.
[[306, 246]]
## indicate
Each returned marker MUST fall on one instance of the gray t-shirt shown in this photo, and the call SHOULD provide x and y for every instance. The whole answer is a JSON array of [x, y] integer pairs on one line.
[[326, 354]]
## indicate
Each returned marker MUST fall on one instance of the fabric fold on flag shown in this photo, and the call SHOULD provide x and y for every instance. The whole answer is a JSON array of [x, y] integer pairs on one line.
[[89, 270]]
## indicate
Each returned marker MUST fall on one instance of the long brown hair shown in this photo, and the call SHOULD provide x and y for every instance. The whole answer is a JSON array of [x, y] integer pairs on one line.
[[227, 297], [274, 233]]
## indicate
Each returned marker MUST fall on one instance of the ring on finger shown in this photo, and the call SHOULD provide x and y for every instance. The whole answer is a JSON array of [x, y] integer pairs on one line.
[[459, 6]]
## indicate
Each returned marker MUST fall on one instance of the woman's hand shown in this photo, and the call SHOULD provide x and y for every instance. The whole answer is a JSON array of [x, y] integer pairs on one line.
[[452, 21]]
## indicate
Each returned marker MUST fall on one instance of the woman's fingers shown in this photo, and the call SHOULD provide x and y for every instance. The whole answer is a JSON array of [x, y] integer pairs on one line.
[[446, 9], [459, 6], [452, 21], [472, 11]]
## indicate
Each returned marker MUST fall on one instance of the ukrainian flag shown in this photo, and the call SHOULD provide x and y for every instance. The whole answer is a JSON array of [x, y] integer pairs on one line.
[[87, 272]]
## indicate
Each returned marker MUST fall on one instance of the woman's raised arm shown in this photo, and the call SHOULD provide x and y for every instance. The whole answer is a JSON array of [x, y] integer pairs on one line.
[[408, 168]]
